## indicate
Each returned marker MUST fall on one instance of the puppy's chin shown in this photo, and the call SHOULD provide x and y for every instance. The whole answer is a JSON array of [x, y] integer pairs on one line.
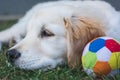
[[27, 65], [43, 64]]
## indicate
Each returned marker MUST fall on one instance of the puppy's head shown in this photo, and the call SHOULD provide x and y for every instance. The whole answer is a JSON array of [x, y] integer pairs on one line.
[[79, 31], [49, 43], [43, 47]]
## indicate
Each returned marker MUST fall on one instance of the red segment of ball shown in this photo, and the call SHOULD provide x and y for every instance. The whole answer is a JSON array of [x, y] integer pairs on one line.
[[112, 45]]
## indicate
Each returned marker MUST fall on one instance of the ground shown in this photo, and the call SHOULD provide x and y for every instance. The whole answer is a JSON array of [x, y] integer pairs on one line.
[[8, 72]]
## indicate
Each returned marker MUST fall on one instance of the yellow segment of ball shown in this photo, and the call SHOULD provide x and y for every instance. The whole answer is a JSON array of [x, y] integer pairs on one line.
[[115, 60]]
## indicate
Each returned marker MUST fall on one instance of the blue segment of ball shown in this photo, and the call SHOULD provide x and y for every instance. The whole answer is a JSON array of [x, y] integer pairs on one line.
[[96, 45]]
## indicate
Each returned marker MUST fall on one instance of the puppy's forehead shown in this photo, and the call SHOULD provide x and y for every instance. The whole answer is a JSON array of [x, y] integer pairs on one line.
[[54, 27], [57, 29]]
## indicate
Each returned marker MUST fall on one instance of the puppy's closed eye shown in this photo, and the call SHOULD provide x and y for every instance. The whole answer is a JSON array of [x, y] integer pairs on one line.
[[15, 40], [12, 42], [46, 33]]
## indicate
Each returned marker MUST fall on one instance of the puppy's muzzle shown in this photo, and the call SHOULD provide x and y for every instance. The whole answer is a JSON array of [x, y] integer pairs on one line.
[[12, 55]]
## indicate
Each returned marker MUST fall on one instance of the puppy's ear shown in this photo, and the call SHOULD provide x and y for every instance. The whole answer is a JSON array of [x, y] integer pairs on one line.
[[66, 22], [79, 31], [70, 42]]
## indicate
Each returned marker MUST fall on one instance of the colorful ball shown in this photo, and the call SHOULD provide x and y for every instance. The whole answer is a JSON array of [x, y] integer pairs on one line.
[[101, 56]]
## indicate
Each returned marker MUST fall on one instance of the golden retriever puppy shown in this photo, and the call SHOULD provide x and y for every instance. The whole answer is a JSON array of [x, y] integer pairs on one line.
[[56, 32]]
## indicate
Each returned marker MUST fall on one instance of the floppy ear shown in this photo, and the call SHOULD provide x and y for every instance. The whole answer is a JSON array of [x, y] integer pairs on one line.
[[79, 31]]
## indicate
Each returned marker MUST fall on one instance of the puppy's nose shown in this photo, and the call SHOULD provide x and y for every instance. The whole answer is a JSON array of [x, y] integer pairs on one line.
[[12, 55]]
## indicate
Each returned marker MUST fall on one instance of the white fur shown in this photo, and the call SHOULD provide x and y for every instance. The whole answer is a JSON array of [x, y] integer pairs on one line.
[[48, 52]]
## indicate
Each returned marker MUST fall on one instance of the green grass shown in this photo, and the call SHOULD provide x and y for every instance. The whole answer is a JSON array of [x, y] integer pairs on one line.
[[8, 72]]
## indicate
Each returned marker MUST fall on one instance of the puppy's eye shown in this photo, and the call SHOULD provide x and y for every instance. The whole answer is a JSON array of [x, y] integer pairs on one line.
[[46, 33], [12, 42]]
